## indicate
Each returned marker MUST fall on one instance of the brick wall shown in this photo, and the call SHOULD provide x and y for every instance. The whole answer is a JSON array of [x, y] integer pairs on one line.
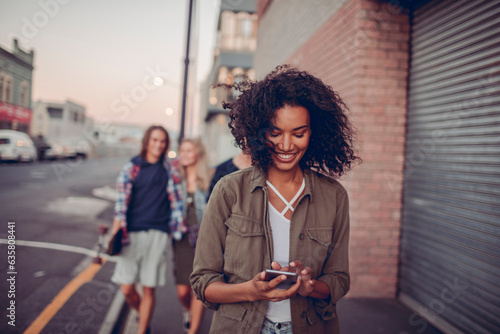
[[362, 52]]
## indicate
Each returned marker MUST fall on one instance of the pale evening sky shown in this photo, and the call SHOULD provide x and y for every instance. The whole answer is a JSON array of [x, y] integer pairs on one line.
[[103, 54]]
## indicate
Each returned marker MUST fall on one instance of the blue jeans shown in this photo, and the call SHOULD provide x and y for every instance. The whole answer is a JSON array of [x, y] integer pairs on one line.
[[269, 327]]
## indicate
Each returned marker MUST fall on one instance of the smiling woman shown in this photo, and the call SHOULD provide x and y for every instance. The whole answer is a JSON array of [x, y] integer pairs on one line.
[[286, 213], [289, 136]]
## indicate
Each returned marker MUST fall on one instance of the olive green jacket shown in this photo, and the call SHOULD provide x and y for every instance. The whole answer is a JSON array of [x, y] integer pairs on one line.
[[235, 243]]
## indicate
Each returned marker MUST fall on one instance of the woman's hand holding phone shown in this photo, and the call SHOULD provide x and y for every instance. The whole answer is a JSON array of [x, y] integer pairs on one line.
[[307, 284], [265, 289]]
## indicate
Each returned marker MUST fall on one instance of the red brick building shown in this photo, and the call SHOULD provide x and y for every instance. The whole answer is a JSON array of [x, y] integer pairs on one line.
[[419, 78], [362, 52]]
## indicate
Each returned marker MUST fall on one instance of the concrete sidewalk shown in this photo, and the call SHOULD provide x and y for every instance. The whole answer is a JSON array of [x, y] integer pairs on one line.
[[380, 316], [357, 316]]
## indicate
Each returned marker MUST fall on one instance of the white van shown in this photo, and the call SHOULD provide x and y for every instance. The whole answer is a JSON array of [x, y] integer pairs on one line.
[[16, 146]]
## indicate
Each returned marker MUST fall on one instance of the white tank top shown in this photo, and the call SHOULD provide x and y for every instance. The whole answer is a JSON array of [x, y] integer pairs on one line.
[[280, 226], [280, 311]]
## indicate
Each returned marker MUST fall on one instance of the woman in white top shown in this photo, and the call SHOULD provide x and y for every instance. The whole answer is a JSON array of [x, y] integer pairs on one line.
[[286, 212]]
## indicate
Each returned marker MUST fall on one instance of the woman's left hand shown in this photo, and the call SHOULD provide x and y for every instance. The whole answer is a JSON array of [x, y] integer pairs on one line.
[[307, 284]]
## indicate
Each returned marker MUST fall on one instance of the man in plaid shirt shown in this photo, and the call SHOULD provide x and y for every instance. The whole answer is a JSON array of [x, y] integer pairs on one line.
[[149, 207]]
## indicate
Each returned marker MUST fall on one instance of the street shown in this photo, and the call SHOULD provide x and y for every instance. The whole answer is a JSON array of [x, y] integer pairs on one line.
[[50, 220], [50, 215]]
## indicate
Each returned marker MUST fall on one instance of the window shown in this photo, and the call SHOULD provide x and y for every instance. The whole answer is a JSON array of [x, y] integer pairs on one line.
[[23, 127], [2, 79], [228, 77], [223, 72], [238, 31], [212, 98], [25, 96], [77, 117], [251, 74], [7, 89], [7, 92], [5, 125], [246, 27], [237, 78], [55, 112], [228, 27]]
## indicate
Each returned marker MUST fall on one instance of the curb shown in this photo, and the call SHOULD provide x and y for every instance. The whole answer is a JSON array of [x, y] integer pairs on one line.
[[115, 316]]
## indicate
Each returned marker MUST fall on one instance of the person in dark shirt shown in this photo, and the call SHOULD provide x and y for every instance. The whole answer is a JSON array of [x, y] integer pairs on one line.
[[239, 161], [143, 212]]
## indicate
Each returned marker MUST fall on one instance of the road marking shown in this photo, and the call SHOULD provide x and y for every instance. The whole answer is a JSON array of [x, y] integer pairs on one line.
[[105, 192], [117, 305], [61, 247], [38, 174], [62, 297], [78, 206], [39, 273], [31, 185]]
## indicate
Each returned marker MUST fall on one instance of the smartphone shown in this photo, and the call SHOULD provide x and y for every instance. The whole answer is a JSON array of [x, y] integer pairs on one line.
[[291, 278]]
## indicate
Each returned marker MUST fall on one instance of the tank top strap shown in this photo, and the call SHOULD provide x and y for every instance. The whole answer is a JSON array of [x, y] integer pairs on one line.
[[288, 205]]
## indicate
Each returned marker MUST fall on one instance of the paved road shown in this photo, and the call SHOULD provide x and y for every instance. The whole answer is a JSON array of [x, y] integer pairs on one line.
[[51, 204], [45, 202]]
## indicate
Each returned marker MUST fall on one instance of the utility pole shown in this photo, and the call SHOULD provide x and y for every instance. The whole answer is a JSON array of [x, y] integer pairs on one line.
[[186, 69]]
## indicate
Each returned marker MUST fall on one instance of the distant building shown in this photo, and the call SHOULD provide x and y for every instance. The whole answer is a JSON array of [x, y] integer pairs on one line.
[[113, 139], [16, 76], [233, 57], [59, 121], [115, 133]]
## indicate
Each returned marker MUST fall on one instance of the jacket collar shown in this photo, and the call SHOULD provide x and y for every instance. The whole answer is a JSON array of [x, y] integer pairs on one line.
[[258, 180]]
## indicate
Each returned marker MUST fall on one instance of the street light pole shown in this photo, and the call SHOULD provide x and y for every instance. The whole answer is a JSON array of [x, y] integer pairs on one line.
[[186, 69]]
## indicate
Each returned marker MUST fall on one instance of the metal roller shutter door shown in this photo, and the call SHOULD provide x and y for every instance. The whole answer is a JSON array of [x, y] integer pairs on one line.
[[450, 247]]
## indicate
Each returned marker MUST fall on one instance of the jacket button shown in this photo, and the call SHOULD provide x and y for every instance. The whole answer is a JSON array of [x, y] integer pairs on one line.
[[301, 236], [303, 314]]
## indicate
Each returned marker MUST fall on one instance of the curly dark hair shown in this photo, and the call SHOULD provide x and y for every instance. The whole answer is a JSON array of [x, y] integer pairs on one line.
[[331, 145]]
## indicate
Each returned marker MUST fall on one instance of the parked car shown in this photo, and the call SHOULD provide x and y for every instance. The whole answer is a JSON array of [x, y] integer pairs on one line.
[[59, 151], [69, 151], [16, 146], [81, 147], [54, 151]]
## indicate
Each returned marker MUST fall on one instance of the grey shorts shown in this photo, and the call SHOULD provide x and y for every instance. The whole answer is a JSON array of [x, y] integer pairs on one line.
[[144, 260]]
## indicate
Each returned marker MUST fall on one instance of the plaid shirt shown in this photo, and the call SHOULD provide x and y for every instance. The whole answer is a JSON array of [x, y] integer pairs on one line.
[[124, 183]]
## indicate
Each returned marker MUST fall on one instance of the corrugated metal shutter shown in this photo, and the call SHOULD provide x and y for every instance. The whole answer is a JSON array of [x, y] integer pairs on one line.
[[450, 247]]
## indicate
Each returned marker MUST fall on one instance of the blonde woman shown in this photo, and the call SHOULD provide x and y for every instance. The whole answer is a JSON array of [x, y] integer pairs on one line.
[[195, 181]]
